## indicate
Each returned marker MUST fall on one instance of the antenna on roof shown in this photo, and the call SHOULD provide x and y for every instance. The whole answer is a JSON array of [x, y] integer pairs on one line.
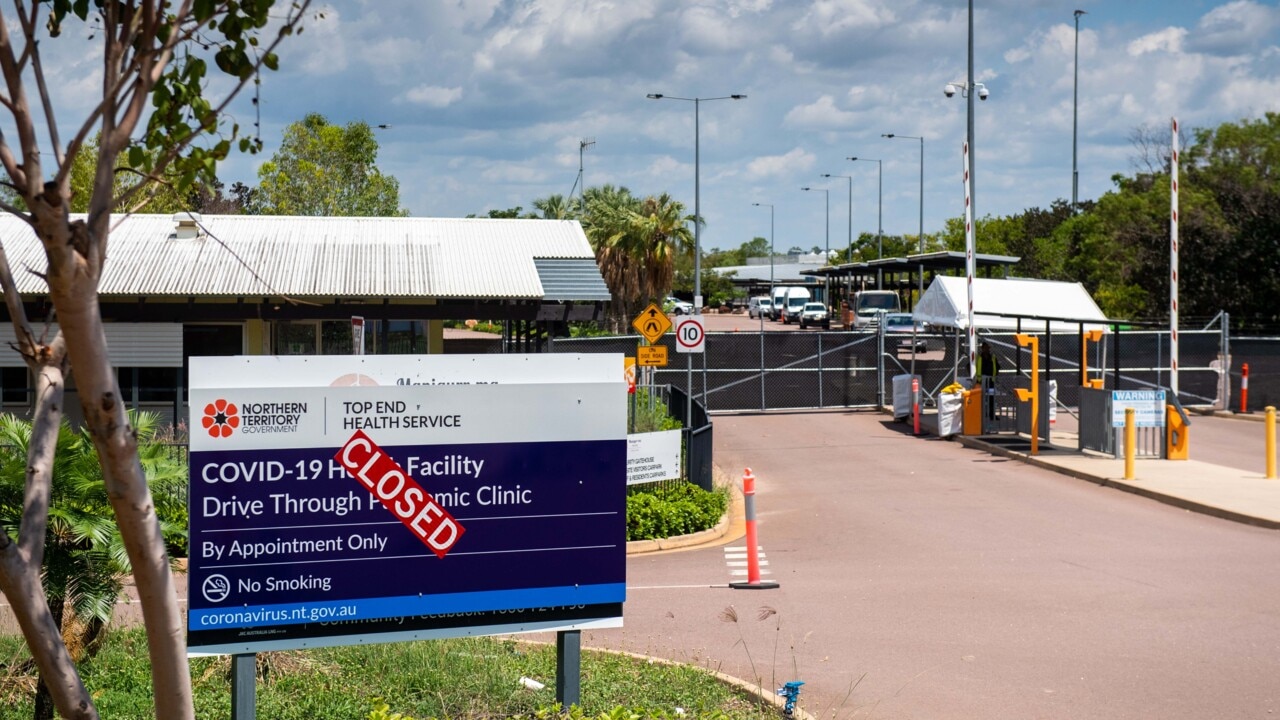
[[580, 185]]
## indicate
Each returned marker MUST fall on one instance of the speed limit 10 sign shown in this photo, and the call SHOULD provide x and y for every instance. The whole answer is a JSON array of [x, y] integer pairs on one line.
[[690, 335]]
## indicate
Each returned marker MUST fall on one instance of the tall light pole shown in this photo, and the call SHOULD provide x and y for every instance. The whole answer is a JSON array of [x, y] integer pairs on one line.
[[850, 179], [827, 194], [969, 88], [1075, 116], [760, 309], [770, 206], [697, 187], [879, 215], [921, 236], [826, 258]]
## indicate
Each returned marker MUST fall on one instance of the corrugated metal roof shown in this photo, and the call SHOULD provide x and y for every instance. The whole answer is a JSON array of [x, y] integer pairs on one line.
[[320, 257], [571, 279]]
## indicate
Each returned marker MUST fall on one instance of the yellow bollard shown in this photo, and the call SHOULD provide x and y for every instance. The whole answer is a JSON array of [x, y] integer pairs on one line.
[[1130, 442], [1271, 442]]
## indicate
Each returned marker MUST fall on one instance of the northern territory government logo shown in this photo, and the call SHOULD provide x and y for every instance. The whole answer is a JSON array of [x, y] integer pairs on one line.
[[222, 418]]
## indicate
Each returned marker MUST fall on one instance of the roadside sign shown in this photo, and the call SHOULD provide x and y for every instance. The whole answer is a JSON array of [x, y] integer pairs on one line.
[[629, 374], [406, 506], [652, 323], [1148, 406], [652, 355], [690, 335], [357, 335]]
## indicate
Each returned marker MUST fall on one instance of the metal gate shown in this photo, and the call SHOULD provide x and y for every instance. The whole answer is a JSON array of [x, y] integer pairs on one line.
[[855, 369]]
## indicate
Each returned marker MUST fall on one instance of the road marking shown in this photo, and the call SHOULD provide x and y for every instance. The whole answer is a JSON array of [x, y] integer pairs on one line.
[[736, 557], [671, 587]]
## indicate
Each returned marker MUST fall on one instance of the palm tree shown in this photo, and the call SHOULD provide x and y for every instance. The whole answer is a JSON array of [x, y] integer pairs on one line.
[[555, 207], [662, 233], [85, 562]]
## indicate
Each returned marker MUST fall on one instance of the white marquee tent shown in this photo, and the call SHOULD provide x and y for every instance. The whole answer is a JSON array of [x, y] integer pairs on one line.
[[996, 302]]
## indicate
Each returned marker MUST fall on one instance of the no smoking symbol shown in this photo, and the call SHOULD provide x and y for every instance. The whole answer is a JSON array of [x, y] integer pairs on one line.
[[690, 335]]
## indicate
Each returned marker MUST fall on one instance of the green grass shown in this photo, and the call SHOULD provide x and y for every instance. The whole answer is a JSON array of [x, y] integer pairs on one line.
[[457, 678]]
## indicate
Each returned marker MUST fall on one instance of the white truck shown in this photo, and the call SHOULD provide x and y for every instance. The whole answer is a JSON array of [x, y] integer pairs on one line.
[[870, 305]]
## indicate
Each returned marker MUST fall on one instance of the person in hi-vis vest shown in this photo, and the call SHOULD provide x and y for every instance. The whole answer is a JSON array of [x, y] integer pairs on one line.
[[987, 367]]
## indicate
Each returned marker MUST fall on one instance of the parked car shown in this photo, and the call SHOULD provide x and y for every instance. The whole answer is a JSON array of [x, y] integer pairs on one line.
[[676, 306], [759, 306], [899, 327], [815, 314]]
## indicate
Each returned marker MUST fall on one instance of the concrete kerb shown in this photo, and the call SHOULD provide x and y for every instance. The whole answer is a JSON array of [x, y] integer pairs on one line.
[[1229, 415], [766, 696], [1129, 487], [731, 527]]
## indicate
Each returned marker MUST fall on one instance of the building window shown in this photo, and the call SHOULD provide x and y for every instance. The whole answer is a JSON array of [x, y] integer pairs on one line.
[[212, 340], [148, 384], [406, 337], [15, 380], [295, 338]]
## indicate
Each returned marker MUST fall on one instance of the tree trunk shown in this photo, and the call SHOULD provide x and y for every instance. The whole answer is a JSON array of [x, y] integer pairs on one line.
[[76, 251], [44, 700], [21, 585], [20, 562]]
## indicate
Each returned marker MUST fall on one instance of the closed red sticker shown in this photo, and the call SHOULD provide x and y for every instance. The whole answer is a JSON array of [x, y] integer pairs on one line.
[[399, 493]]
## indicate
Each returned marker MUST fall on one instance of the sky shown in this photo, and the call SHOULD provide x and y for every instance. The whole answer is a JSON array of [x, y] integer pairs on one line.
[[489, 100]]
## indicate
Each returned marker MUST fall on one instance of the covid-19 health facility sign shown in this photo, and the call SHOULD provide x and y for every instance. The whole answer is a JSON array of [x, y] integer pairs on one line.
[[337, 500]]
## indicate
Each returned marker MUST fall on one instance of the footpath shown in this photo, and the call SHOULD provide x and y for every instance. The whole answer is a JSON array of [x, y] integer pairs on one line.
[[1203, 487]]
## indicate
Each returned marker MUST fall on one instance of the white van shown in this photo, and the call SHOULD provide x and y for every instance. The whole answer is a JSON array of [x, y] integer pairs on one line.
[[779, 301], [870, 305], [794, 303]]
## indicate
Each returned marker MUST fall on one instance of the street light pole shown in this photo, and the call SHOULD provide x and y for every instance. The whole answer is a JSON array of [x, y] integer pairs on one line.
[[768, 205], [921, 236], [969, 88], [826, 192], [849, 251], [1075, 117], [761, 310], [697, 187], [879, 215], [826, 284]]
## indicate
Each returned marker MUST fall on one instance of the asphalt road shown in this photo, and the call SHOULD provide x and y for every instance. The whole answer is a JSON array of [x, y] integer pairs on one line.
[[920, 579]]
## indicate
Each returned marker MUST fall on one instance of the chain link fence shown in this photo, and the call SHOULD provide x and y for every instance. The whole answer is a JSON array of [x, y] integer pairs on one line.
[[855, 369]]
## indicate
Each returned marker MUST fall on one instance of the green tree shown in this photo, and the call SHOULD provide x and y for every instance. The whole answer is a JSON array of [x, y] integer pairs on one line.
[[327, 170], [157, 114], [637, 243], [556, 207], [84, 558]]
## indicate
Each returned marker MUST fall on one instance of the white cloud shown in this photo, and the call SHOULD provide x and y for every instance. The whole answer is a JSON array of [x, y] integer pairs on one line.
[[836, 17], [1166, 40], [511, 173], [433, 96], [1234, 28], [797, 161], [821, 113]]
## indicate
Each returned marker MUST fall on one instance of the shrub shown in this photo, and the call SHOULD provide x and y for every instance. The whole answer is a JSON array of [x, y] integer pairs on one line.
[[664, 511], [653, 419]]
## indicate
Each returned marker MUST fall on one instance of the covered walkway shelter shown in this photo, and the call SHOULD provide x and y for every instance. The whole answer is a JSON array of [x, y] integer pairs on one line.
[[903, 273]]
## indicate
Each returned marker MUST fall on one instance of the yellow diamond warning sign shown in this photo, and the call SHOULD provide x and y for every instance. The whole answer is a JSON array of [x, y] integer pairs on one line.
[[652, 323]]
